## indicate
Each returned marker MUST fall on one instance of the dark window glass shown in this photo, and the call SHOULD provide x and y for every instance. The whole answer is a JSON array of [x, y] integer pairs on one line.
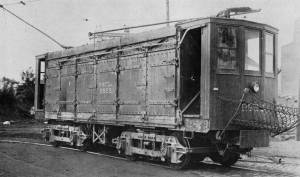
[[226, 58], [42, 72], [252, 61], [227, 46], [269, 53]]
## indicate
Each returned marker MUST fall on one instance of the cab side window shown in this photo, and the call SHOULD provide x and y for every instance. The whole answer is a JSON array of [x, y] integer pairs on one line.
[[269, 53], [227, 48]]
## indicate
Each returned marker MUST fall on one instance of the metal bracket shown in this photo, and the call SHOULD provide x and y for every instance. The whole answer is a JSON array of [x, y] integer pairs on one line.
[[144, 116], [60, 65], [118, 68], [58, 112], [146, 51], [183, 36], [101, 136], [188, 137], [117, 102], [189, 104], [176, 62], [95, 60], [174, 103], [178, 119]]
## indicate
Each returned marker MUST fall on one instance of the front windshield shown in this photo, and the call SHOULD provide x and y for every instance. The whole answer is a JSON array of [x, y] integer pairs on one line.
[[227, 47], [252, 61]]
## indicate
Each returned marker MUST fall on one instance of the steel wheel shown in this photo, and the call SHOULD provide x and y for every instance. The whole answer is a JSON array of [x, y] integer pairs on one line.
[[132, 157], [225, 157], [185, 158], [55, 143], [196, 158], [85, 145]]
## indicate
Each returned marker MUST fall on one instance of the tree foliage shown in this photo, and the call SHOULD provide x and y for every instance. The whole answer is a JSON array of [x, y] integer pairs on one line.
[[7, 96], [17, 98], [25, 92]]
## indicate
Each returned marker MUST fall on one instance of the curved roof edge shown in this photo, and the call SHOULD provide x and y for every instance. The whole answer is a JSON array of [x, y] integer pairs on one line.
[[155, 34], [126, 40]]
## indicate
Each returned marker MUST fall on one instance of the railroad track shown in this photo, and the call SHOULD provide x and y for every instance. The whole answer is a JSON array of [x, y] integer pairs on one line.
[[111, 155], [120, 157]]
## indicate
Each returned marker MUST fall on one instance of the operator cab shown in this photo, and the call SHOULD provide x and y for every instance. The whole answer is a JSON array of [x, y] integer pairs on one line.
[[220, 57]]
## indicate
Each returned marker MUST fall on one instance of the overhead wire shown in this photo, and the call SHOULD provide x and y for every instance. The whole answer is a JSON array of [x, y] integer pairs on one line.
[[39, 30], [24, 2]]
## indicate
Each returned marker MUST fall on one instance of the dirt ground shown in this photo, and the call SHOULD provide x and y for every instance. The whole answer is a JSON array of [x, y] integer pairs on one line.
[[34, 160]]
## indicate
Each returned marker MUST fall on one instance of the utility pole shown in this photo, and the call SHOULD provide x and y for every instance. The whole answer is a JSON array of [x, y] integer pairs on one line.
[[168, 12], [298, 126]]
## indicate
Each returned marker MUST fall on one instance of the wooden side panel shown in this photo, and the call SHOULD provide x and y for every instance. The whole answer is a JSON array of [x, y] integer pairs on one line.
[[229, 89], [85, 87], [271, 80], [225, 82], [270, 90], [161, 83], [135, 87], [105, 95], [67, 90], [205, 79], [298, 126], [132, 86], [52, 90]]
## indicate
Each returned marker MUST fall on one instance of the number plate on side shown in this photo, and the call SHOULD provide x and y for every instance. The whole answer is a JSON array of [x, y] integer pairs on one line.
[[254, 138]]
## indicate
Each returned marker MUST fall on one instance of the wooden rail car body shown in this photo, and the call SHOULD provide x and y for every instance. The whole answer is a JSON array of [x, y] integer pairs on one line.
[[162, 93]]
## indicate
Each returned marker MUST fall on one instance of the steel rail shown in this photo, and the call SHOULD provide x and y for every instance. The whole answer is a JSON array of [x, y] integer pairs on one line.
[[68, 148], [125, 159], [73, 149]]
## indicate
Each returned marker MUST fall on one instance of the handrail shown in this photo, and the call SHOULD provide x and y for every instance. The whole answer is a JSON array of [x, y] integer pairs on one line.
[[189, 104]]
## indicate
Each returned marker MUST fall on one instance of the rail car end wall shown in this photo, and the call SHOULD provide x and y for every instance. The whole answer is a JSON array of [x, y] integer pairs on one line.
[[40, 79]]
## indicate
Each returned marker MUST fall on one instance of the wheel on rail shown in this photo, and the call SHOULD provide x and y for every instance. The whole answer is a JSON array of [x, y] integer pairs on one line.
[[227, 158], [55, 143], [46, 135], [85, 145], [132, 157], [185, 159], [197, 158]]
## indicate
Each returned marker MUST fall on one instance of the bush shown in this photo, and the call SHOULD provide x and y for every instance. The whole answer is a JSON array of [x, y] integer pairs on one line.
[[8, 100], [16, 99], [25, 93]]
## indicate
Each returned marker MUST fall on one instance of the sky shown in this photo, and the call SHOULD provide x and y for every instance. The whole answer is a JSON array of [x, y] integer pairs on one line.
[[65, 21]]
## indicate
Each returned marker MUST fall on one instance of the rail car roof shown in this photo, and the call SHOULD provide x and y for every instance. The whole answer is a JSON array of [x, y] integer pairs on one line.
[[154, 34]]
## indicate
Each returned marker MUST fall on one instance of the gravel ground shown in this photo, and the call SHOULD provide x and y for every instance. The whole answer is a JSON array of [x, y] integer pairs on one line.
[[30, 160]]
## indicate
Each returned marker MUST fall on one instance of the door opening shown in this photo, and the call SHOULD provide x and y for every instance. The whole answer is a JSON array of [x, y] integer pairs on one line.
[[190, 72], [40, 84]]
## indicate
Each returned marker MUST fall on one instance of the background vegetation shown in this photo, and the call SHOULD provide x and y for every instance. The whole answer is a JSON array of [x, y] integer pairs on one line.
[[17, 98]]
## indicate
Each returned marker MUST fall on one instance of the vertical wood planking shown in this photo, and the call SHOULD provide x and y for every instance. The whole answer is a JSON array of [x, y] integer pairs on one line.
[[298, 127], [205, 72]]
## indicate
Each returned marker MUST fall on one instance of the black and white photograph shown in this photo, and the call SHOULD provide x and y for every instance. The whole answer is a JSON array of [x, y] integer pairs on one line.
[[149, 88]]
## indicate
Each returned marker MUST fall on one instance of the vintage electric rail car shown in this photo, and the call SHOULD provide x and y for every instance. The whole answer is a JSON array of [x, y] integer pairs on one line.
[[177, 94]]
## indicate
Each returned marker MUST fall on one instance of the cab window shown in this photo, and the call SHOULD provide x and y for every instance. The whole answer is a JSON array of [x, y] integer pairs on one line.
[[227, 48], [269, 53], [252, 46]]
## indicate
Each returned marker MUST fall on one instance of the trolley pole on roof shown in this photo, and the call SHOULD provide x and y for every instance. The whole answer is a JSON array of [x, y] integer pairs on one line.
[[298, 126], [27, 23]]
